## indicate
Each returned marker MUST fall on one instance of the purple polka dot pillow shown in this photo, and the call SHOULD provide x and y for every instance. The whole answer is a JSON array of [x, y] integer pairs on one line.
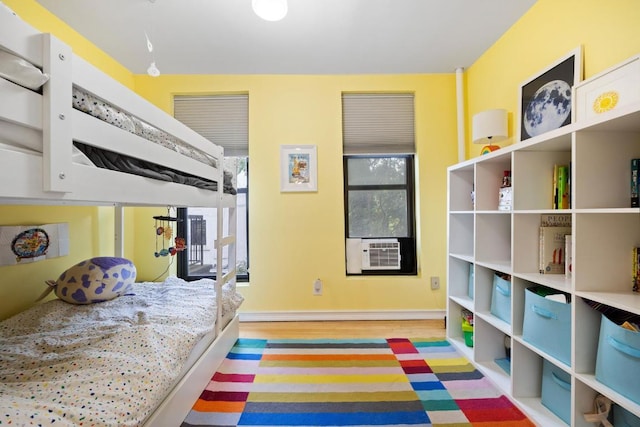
[[95, 280]]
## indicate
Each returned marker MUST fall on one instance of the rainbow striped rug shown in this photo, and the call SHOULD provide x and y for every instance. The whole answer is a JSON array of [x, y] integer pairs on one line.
[[355, 382]]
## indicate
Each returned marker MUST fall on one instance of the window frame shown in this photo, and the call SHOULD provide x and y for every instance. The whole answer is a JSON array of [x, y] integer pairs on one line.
[[408, 247], [183, 227]]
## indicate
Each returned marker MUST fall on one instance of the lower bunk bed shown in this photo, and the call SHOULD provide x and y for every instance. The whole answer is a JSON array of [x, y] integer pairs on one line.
[[142, 358]]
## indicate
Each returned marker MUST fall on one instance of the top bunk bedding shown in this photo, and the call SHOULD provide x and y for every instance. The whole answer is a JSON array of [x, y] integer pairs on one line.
[[61, 117], [109, 363]]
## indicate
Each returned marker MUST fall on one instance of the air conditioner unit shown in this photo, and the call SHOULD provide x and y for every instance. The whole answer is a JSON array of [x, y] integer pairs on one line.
[[380, 254]]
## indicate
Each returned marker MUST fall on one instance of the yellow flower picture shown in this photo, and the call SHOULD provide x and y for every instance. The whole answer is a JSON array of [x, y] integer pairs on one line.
[[605, 102]]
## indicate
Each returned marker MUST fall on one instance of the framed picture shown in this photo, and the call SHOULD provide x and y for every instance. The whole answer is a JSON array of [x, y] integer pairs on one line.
[[545, 100], [298, 168]]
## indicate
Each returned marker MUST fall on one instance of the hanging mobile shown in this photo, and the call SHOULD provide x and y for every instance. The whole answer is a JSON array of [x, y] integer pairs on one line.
[[164, 231]]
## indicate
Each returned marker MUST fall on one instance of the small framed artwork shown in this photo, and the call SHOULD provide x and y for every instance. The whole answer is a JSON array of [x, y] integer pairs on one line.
[[298, 168], [545, 100]]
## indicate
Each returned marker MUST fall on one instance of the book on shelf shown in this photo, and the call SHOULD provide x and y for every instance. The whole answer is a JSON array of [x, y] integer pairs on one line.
[[563, 187], [568, 264], [635, 271], [552, 243], [555, 220], [554, 190], [561, 192], [635, 192], [552, 249]]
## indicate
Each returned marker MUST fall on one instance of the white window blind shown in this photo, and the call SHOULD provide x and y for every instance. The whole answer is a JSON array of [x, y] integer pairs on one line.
[[222, 119], [378, 123]]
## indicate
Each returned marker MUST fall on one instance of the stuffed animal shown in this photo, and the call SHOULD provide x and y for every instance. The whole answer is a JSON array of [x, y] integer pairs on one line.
[[94, 280]]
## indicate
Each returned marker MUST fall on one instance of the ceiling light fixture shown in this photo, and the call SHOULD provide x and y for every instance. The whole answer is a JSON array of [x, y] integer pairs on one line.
[[270, 10], [153, 70]]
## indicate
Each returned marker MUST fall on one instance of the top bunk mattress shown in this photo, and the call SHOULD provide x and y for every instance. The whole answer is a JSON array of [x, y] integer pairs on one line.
[[106, 364]]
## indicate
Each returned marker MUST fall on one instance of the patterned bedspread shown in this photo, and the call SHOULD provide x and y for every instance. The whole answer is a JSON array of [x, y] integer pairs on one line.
[[104, 111], [103, 364]]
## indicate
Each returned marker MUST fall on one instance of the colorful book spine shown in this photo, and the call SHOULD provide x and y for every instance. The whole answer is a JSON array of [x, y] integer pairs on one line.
[[568, 265], [554, 190], [636, 269], [569, 184], [635, 193], [563, 187]]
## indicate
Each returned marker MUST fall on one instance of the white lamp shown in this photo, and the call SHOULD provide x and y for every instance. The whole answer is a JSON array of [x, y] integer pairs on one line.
[[270, 10], [488, 127]]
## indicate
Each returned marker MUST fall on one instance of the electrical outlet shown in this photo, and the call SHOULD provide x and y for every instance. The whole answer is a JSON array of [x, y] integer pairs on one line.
[[435, 282], [317, 287]]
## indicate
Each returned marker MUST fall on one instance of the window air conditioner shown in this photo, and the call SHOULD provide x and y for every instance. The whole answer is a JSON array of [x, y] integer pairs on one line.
[[380, 254]]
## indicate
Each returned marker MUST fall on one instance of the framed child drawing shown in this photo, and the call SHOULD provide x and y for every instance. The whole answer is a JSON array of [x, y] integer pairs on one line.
[[298, 168]]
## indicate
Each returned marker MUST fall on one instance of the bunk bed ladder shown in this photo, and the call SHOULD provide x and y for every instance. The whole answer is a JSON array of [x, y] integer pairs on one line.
[[225, 241]]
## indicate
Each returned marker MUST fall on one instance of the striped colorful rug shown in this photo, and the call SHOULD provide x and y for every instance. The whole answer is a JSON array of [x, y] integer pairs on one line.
[[356, 382]]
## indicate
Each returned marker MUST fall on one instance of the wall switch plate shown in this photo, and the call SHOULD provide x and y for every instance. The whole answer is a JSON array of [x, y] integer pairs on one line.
[[317, 287], [435, 282]]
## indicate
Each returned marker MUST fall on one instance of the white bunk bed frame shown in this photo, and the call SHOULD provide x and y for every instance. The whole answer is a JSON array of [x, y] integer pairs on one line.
[[51, 177]]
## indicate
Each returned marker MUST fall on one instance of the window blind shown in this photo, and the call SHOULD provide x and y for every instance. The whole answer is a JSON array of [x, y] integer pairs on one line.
[[378, 123], [222, 119]]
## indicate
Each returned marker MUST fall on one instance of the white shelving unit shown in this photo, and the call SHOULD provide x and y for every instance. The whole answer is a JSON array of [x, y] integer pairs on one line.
[[604, 229]]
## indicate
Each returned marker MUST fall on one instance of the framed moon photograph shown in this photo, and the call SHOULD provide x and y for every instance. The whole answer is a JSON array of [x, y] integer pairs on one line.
[[298, 168], [545, 100]]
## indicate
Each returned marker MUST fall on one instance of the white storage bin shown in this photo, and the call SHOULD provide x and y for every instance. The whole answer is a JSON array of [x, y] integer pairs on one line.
[[607, 91]]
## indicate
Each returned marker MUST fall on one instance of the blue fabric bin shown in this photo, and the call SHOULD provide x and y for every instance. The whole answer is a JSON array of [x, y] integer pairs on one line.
[[501, 298], [624, 418], [547, 325], [618, 359], [556, 391]]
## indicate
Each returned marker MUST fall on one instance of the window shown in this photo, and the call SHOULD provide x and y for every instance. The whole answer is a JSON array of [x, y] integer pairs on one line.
[[222, 119], [379, 182]]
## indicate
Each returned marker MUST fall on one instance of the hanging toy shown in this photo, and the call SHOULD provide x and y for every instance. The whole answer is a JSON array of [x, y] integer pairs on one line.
[[164, 232], [168, 232], [180, 245]]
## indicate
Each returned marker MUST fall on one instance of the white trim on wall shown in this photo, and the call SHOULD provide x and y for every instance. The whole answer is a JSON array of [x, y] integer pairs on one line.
[[302, 316]]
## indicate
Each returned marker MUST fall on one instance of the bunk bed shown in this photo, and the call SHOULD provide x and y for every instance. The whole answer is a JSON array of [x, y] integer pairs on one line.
[[66, 130]]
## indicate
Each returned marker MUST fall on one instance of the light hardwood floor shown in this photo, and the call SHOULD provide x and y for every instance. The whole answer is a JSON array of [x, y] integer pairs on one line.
[[345, 329]]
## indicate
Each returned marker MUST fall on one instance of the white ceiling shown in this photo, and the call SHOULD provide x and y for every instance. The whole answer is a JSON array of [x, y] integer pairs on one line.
[[316, 37]]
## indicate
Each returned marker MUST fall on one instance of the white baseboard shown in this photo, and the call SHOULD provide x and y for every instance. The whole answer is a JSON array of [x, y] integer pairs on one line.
[[302, 316]]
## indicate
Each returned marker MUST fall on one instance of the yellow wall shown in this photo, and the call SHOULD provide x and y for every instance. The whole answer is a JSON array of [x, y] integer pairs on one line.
[[298, 237], [21, 284], [608, 32]]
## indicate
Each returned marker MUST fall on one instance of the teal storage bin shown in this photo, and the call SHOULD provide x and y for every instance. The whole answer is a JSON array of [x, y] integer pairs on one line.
[[624, 418], [471, 276], [547, 325], [501, 298], [618, 359], [556, 391]]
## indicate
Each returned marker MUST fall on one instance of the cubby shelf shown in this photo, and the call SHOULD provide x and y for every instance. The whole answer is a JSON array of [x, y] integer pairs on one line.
[[486, 240]]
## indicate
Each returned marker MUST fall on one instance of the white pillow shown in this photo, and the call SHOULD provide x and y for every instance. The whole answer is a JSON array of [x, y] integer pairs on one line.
[[20, 71]]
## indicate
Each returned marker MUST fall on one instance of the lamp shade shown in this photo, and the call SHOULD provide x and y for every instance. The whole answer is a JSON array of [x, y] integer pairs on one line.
[[270, 10], [490, 126]]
